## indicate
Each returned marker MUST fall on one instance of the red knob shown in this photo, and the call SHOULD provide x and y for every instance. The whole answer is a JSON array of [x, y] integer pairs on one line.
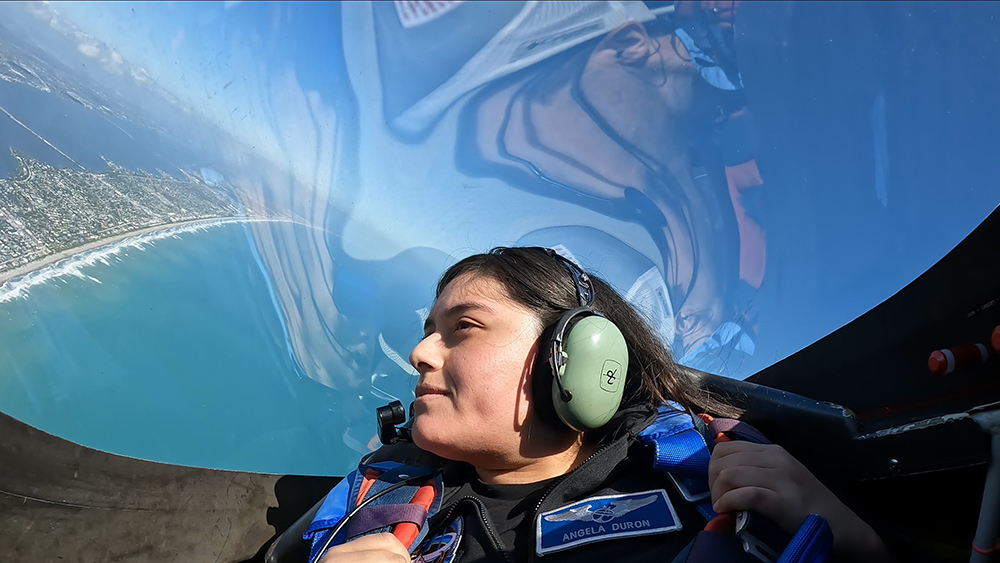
[[943, 362]]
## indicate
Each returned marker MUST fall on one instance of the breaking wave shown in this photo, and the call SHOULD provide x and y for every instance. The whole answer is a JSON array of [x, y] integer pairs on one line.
[[20, 287]]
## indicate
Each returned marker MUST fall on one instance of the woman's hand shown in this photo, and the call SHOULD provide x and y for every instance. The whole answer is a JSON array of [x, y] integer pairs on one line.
[[376, 548], [768, 480]]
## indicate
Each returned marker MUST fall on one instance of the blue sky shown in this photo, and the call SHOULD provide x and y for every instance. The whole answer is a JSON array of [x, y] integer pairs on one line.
[[227, 60]]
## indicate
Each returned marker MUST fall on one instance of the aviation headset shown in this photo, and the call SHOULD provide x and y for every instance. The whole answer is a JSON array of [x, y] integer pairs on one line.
[[587, 357]]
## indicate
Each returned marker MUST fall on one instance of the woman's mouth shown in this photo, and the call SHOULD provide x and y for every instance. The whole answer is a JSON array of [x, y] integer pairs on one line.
[[427, 392]]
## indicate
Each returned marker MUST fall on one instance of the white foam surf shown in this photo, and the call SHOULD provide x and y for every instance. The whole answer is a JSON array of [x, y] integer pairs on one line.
[[20, 287]]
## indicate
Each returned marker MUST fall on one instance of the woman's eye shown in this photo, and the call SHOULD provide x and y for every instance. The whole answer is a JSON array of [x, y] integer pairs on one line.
[[463, 325], [687, 323]]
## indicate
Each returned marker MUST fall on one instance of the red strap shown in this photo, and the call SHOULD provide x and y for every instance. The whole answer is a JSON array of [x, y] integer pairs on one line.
[[369, 479], [407, 532]]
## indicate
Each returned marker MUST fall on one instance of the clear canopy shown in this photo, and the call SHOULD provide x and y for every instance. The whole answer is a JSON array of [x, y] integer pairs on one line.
[[221, 224]]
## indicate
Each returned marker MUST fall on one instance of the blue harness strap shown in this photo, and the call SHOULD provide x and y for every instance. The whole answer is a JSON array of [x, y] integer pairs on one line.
[[813, 543], [381, 515], [681, 450], [331, 512], [678, 446]]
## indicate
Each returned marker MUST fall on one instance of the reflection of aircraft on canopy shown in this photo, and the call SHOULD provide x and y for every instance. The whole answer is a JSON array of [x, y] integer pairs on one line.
[[677, 156]]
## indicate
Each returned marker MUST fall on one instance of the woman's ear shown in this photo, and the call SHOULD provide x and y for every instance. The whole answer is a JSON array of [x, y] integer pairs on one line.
[[630, 43]]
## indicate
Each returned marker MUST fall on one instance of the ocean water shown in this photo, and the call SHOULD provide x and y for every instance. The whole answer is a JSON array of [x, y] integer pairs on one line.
[[169, 348]]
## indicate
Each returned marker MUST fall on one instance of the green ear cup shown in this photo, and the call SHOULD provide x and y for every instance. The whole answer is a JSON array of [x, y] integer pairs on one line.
[[596, 361]]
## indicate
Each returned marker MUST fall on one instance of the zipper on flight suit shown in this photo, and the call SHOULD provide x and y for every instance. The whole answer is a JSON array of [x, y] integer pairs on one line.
[[497, 545], [552, 487]]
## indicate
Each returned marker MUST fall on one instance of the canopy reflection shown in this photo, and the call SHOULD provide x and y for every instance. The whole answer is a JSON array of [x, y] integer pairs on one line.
[[751, 176]]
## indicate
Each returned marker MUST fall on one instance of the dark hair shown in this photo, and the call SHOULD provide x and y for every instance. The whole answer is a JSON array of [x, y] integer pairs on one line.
[[540, 282]]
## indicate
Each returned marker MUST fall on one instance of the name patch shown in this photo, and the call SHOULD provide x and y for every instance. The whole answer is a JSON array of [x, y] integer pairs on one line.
[[605, 518]]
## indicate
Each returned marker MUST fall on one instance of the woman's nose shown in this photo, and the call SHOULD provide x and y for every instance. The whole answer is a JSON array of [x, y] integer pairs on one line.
[[426, 355]]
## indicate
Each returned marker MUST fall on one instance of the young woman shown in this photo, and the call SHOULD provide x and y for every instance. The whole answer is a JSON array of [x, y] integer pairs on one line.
[[483, 400]]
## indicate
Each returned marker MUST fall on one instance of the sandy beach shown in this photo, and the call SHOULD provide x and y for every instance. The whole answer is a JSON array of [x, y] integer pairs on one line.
[[69, 252]]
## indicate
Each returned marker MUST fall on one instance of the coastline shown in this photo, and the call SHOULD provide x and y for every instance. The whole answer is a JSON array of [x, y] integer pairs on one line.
[[70, 252]]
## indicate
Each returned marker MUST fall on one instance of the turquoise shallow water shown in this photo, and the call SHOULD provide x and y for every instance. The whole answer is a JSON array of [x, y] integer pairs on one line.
[[172, 352]]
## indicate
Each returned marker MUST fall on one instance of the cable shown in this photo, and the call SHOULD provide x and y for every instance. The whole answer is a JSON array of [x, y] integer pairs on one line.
[[385, 491]]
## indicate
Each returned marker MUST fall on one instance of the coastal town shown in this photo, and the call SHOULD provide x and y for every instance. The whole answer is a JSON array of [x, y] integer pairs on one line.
[[45, 210]]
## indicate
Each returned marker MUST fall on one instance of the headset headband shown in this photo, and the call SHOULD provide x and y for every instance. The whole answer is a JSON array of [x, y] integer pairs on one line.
[[584, 287]]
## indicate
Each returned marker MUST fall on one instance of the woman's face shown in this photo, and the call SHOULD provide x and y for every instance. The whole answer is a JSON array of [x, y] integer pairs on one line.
[[474, 361]]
